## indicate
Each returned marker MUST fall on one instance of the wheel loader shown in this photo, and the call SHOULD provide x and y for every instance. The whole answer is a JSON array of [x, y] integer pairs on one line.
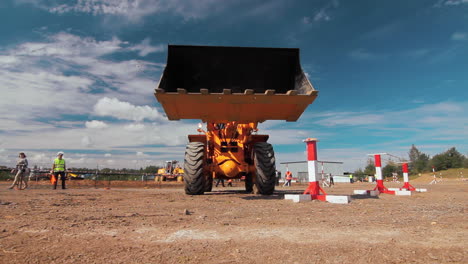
[[170, 171], [232, 89]]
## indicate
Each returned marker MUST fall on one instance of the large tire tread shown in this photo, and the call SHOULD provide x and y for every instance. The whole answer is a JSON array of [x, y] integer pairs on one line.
[[264, 159], [194, 177]]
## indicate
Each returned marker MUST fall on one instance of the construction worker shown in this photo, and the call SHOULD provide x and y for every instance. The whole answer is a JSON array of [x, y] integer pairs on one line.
[[58, 168], [229, 183], [332, 182], [351, 180], [218, 181], [288, 178], [21, 167]]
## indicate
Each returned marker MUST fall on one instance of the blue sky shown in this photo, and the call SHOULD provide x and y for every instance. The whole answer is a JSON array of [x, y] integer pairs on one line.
[[79, 76]]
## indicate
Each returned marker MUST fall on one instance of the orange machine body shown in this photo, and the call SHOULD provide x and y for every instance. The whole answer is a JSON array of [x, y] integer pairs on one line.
[[229, 148]]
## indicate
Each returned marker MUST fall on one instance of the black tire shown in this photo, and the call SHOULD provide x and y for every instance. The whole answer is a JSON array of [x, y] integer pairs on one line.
[[194, 177], [264, 159], [248, 183], [208, 182]]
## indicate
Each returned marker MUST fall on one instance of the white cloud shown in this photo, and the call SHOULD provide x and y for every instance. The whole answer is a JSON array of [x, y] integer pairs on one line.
[[455, 2], [124, 110], [135, 10], [139, 153], [86, 141], [107, 155], [145, 48], [460, 35], [322, 16], [95, 124], [135, 127], [49, 92], [351, 119]]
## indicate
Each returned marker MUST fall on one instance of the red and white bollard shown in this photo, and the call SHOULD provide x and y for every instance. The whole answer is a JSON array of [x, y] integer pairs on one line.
[[314, 191], [314, 188], [406, 185], [380, 188], [378, 170]]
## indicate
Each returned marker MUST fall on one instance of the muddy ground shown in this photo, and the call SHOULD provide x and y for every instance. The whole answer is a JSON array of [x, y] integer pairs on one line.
[[160, 224]]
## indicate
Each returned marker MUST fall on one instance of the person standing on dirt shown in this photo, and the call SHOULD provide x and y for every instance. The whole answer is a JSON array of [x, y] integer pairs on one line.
[[331, 180], [20, 169], [220, 181], [351, 180], [58, 168], [288, 178]]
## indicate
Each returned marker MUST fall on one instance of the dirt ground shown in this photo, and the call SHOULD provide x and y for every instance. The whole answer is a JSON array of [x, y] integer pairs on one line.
[[160, 224]]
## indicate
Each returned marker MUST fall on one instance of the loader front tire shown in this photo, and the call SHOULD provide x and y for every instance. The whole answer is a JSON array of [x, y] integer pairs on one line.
[[194, 177], [264, 159], [208, 182]]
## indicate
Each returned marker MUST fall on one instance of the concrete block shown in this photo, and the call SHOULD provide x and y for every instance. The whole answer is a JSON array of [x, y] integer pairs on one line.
[[402, 192], [298, 197], [338, 199], [360, 192], [374, 193], [393, 189], [421, 190]]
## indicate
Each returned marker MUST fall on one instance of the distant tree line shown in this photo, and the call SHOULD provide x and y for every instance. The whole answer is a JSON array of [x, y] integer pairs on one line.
[[419, 162]]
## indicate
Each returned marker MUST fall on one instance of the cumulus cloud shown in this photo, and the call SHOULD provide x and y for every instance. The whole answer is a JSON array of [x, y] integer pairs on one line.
[[95, 124], [75, 66], [124, 110]]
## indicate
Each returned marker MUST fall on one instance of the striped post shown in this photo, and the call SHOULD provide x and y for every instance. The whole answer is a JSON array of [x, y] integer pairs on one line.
[[314, 191], [406, 184], [314, 188], [378, 171]]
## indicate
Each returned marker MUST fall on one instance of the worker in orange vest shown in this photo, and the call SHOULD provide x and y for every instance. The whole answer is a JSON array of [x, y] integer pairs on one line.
[[288, 178]]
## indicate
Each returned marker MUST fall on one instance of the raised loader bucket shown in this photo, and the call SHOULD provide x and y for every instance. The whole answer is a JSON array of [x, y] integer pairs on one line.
[[220, 84]]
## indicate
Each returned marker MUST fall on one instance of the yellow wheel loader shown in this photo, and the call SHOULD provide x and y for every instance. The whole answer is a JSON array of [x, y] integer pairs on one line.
[[170, 171], [232, 89]]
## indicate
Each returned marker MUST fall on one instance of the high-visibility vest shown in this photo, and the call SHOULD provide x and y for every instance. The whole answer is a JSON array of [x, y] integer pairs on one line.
[[288, 175], [59, 164]]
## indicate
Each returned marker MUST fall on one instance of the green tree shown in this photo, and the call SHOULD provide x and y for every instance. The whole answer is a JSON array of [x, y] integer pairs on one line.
[[448, 159], [359, 174], [151, 169], [389, 169], [370, 168], [419, 161]]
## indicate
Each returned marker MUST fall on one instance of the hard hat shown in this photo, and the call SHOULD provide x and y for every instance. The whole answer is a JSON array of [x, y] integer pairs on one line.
[[59, 153]]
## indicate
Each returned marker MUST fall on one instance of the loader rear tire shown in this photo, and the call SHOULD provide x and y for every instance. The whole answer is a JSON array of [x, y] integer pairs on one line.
[[264, 159], [194, 177]]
